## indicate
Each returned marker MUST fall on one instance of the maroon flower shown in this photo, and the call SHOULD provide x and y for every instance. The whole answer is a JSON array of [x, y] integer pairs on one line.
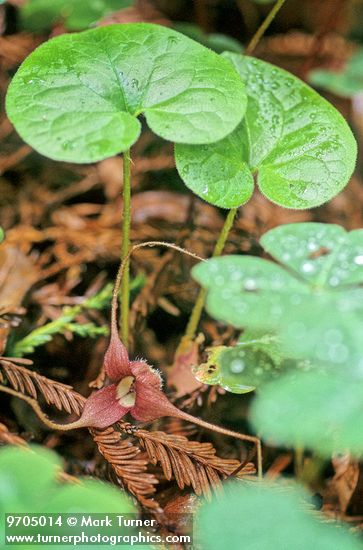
[[135, 387]]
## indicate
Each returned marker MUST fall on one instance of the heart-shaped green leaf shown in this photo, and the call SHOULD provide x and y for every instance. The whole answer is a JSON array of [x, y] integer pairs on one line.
[[346, 82], [240, 369], [264, 516], [322, 265], [77, 97], [296, 143], [40, 15], [317, 410]]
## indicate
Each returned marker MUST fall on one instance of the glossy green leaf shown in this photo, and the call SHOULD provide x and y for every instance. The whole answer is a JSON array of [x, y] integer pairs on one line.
[[77, 97], [346, 82], [215, 41], [320, 269], [40, 15], [2, 234], [262, 516], [316, 410], [255, 360], [298, 146]]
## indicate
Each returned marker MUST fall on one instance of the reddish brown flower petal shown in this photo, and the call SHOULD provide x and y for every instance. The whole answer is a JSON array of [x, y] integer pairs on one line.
[[116, 362], [145, 374], [102, 408], [151, 403]]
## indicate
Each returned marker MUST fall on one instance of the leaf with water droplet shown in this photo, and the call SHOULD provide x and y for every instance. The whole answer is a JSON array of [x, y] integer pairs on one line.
[[297, 144], [316, 410], [91, 87], [40, 15], [255, 360], [346, 82], [312, 300]]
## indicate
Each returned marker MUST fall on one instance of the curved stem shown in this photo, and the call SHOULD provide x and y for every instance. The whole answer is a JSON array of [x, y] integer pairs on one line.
[[199, 304], [125, 247], [230, 433], [123, 268], [264, 26], [41, 415]]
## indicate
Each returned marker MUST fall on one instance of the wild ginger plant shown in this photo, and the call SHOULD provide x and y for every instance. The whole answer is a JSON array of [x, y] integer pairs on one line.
[[79, 98], [234, 119]]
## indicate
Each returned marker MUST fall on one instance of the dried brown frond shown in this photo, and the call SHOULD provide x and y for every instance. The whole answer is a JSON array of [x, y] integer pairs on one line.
[[191, 463], [129, 467], [9, 438], [29, 382]]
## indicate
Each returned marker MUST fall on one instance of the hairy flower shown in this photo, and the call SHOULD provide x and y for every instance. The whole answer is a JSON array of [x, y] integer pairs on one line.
[[134, 387]]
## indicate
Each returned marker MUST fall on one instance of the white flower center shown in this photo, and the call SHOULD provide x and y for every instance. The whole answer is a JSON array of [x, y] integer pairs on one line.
[[125, 394]]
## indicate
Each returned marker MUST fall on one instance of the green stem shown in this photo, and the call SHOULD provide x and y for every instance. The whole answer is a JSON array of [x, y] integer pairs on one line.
[[199, 304], [125, 247], [299, 462], [264, 26]]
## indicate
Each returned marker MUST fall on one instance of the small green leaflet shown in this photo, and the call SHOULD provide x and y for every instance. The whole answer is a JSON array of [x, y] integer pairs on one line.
[[77, 97], [2, 234], [255, 359], [316, 410], [40, 15], [297, 144], [346, 82], [266, 516], [321, 266]]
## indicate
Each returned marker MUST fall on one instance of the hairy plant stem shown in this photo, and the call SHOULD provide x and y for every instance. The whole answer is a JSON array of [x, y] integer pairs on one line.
[[264, 26], [230, 433], [194, 319], [125, 247]]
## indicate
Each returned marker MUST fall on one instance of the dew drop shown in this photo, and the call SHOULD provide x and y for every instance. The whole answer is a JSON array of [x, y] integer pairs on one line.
[[237, 366], [250, 284], [308, 267]]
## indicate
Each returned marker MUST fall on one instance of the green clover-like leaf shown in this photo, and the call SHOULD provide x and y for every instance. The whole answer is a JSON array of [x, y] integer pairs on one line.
[[255, 360], [312, 299], [346, 82], [298, 146], [316, 410], [40, 15], [78, 96], [267, 516]]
